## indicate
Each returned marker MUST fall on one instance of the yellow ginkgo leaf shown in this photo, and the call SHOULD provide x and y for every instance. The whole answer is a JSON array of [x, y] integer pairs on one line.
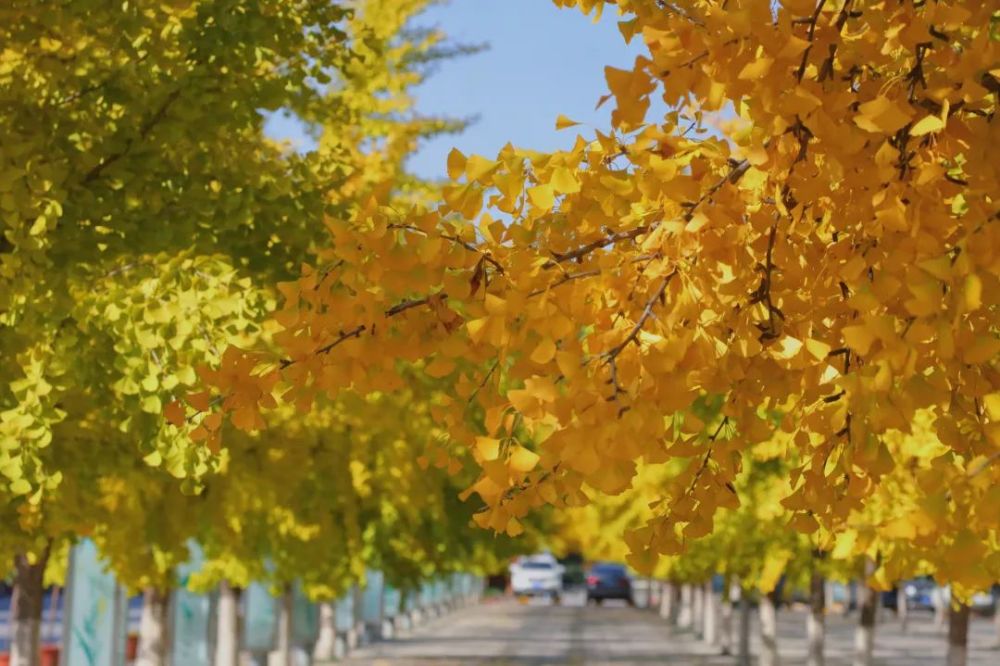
[[477, 166], [542, 196], [562, 122], [440, 367], [927, 125], [522, 460], [545, 351], [456, 163], [755, 69], [882, 115], [488, 448]]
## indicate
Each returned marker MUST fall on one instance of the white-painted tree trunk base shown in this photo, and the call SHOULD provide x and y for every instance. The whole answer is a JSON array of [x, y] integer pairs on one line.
[[902, 610], [940, 607], [684, 616], [340, 650], [864, 645], [227, 638], [698, 610], [667, 602], [154, 642], [768, 631], [294, 656], [815, 639], [326, 641], [25, 642], [816, 619], [726, 626], [710, 624], [743, 647], [957, 655]]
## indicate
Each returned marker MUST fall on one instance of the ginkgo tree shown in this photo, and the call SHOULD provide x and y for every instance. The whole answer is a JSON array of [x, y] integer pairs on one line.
[[145, 220], [830, 255]]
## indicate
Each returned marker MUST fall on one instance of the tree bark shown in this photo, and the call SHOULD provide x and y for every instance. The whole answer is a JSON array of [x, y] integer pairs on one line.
[[697, 609], [958, 635], [26, 609], [730, 592], [53, 609], [864, 636], [902, 609], [769, 630], [940, 606], [667, 605], [227, 641], [684, 616], [284, 649], [816, 620], [996, 615], [326, 642], [710, 633], [743, 653], [154, 641]]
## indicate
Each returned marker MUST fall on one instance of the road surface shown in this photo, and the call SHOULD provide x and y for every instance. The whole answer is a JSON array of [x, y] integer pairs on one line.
[[506, 633]]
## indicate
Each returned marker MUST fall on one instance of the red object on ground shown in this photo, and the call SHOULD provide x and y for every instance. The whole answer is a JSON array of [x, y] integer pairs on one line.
[[4, 659], [50, 655], [131, 647]]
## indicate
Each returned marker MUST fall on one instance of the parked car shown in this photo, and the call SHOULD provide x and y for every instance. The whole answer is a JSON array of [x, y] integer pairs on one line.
[[536, 575], [607, 580], [919, 593], [986, 603]]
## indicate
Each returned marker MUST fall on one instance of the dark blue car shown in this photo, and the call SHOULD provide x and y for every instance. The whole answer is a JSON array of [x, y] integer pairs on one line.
[[607, 580]]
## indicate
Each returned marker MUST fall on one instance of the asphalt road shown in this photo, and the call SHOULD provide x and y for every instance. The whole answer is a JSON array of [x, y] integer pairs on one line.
[[507, 633], [510, 633]]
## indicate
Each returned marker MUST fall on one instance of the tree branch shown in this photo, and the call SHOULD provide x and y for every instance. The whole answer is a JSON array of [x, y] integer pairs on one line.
[[647, 312]]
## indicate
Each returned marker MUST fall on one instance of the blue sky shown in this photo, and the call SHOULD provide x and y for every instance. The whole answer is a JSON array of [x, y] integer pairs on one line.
[[542, 61]]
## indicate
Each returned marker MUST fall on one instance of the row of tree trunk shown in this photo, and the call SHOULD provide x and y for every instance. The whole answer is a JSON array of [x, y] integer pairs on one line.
[[154, 634], [696, 608], [154, 644]]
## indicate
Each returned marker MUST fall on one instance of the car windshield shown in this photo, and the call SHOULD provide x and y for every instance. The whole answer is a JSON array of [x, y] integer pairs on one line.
[[536, 565], [608, 569]]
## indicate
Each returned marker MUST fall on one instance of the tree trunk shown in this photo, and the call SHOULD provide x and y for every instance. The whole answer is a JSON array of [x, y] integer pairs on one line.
[[667, 605], [684, 616], [768, 630], [996, 615], [958, 635], [284, 652], [697, 609], [26, 610], [730, 592], [153, 640], [864, 636], [743, 653], [902, 609], [326, 642], [816, 620], [710, 624], [227, 640], [53, 609]]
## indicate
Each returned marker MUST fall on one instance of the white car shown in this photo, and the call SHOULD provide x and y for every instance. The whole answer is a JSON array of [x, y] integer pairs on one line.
[[537, 575]]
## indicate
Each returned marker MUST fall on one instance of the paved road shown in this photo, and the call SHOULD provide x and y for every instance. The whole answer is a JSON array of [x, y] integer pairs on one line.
[[506, 633]]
